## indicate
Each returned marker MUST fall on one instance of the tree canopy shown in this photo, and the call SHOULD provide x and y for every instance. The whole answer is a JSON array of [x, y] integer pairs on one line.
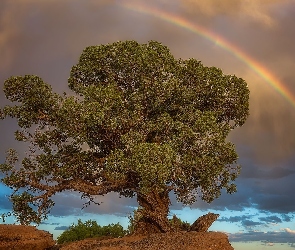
[[140, 122]]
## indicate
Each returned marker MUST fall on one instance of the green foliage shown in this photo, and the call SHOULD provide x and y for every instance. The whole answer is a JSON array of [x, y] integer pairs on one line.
[[140, 120], [90, 229], [133, 220], [176, 223]]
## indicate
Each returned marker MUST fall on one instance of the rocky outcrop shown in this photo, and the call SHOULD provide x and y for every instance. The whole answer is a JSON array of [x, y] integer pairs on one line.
[[203, 223], [160, 241], [18, 237]]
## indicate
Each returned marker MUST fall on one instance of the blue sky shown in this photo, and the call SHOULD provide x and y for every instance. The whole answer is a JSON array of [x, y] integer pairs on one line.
[[46, 38]]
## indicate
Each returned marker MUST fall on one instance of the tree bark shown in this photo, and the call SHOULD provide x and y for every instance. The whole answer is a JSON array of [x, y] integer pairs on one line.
[[153, 213]]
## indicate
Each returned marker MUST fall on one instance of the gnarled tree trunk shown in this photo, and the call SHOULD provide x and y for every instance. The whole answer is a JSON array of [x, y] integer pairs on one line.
[[153, 213]]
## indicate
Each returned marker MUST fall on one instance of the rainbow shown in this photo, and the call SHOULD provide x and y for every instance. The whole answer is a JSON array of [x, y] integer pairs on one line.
[[221, 42]]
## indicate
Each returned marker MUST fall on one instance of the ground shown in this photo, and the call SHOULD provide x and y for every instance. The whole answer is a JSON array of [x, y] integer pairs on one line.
[[28, 237], [160, 241]]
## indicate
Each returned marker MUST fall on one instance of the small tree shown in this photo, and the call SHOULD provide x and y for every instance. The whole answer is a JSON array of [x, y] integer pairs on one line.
[[141, 123], [90, 229]]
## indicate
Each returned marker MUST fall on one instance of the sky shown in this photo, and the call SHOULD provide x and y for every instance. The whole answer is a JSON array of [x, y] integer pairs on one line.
[[252, 39]]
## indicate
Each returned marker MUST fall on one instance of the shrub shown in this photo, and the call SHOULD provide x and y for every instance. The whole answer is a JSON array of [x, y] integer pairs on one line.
[[133, 220], [176, 223], [90, 229]]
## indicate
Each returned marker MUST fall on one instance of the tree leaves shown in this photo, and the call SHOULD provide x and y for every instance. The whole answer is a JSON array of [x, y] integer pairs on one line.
[[140, 121]]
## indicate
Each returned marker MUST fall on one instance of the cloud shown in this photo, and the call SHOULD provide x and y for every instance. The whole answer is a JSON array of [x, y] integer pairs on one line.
[[271, 219], [287, 218], [255, 167], [268, 195], [233, 219], [61, 228], [275, 196], [4, 193], [5, 203], [58, 31], [244, 220], [247, 222], [250, 223], [288, 230], [259, 11], [70, 203], [266, 237], [266, 134], [47, 223]]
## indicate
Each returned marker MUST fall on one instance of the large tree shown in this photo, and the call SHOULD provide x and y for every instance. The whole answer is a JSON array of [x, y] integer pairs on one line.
[[138, 122]]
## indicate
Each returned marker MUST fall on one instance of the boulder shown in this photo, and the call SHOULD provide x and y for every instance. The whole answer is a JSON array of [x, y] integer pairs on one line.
[[19, 237], [203, 223]]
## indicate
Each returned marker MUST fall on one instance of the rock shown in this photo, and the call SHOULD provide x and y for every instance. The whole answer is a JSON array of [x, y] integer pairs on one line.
[[204, 222], [19, 237], [161, 241]]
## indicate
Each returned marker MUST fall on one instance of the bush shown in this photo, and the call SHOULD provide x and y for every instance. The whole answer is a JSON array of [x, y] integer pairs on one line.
[[176, 223], [90, 229], [133, 220]]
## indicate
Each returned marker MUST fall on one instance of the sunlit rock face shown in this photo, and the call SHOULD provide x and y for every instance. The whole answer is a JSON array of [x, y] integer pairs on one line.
[[19, 237], [203, 223]]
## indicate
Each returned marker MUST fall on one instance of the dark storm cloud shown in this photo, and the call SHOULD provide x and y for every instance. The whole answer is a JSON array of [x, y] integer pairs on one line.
[[261, 172], [274, 195], [275, 203], [267, 193]]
